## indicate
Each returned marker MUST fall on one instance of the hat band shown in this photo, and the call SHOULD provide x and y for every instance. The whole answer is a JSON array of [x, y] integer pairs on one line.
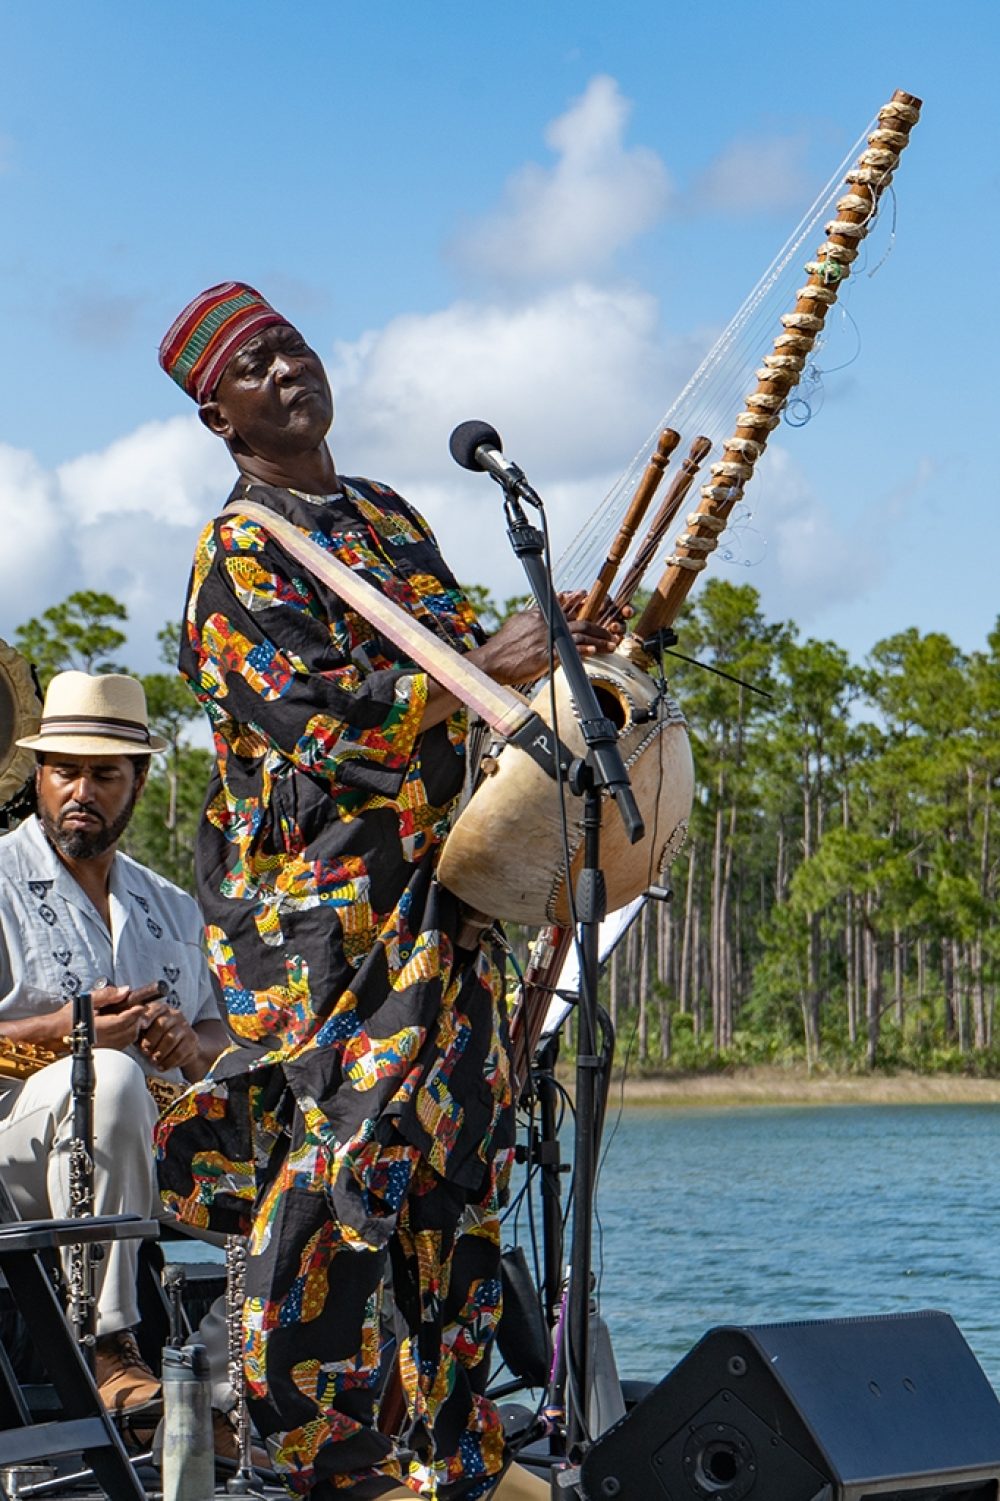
[[117, 729]]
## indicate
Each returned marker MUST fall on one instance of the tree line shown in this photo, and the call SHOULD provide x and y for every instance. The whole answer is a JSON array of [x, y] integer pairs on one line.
[[835, 900]]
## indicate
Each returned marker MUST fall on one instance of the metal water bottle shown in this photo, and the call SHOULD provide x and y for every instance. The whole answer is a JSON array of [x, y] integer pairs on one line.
[[188, 1447]]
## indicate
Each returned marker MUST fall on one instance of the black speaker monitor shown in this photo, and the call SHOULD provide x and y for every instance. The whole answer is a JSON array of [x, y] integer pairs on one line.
[[889, 1408]]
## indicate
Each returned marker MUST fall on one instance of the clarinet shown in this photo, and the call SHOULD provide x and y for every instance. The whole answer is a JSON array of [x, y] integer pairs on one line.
[[244, 1481], [82, 1297]]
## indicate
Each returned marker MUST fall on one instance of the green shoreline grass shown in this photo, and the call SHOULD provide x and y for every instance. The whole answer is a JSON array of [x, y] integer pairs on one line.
[[795, 1086]]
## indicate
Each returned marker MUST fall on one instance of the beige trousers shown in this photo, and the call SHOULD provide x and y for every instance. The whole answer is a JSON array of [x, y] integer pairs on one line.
[[35, 1141], [35, 1135]]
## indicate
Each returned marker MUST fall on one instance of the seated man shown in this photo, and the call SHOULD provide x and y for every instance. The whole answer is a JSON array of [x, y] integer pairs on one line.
[[76, 914]]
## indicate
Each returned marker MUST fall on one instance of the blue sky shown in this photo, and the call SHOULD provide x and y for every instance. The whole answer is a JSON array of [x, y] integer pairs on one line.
[[537, 213]]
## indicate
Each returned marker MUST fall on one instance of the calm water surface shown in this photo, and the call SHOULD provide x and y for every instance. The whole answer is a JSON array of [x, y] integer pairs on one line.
[[741, 1216]]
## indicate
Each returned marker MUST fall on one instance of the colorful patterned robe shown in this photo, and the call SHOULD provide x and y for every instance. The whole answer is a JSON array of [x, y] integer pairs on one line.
[[372, 1078]]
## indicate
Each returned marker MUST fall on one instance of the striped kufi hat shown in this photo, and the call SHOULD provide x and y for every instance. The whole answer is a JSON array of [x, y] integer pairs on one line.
[[103, 714], [200, 343]]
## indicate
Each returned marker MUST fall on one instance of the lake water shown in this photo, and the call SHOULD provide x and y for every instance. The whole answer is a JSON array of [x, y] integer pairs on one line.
[[745, 1216]]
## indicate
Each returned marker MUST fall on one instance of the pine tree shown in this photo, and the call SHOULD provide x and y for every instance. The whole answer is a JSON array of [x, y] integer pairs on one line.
[[79, 633]]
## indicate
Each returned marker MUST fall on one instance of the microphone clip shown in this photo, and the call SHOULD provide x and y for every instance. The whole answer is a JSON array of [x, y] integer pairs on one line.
[[515, 486]]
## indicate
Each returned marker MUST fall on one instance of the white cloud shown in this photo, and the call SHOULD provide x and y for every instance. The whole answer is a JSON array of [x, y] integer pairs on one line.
[[572, 375], [173, 470], [755, 174], [123, 521], [573, 381], [813, 561], [144, 563], [36, 552], [568, 220]]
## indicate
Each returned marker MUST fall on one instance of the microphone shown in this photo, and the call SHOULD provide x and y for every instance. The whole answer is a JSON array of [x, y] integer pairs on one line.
[[477, 445]]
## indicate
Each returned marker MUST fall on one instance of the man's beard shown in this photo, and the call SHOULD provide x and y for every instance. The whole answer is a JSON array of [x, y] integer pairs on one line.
[[78, 844]]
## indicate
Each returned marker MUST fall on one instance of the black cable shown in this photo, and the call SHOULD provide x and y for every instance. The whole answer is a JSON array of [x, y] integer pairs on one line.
[[608, 1029], [719, 673], [532, 1227], [536, 1426], [614, 1131], [606, 1055]]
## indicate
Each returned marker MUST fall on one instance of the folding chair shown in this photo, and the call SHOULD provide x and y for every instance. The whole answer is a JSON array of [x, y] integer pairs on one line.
[[84, 1427]]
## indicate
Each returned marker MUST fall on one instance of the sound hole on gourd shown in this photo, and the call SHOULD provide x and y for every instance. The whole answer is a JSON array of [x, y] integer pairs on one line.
[[612, 705]]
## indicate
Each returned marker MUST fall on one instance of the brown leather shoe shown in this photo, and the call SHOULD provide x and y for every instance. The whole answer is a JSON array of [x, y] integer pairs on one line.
[[123, 1378], [227, 1442], [519, 1484]]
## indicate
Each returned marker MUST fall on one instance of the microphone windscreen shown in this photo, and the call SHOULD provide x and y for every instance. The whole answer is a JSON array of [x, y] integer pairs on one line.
[[467, 437]]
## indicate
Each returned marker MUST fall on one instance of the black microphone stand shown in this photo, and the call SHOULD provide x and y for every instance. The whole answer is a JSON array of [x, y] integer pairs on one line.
[[601, 769]]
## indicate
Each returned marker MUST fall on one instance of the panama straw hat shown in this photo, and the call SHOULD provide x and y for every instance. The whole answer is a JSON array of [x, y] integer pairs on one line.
[[100, 715]]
